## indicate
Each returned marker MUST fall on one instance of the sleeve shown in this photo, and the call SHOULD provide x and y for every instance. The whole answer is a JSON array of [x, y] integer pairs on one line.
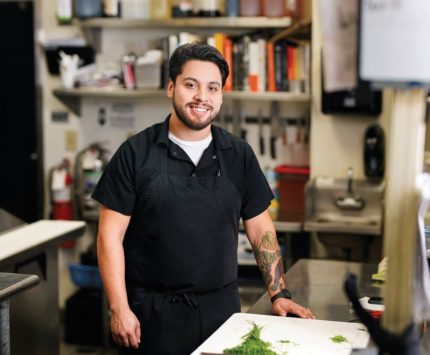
[[258, 194], [116, 187]]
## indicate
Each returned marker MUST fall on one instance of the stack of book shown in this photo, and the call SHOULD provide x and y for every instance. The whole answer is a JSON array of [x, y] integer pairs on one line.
[[256, 63]]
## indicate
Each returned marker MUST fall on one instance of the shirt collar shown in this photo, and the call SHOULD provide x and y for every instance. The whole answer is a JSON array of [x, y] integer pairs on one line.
[[219, 135], [163, 134]]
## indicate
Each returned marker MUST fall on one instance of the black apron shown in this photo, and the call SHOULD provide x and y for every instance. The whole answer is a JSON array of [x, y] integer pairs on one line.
[[181, 258]]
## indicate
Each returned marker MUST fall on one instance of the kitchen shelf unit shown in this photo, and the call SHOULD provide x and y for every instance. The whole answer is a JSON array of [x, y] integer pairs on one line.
[[93, 26], [259, 22], [72, 97]]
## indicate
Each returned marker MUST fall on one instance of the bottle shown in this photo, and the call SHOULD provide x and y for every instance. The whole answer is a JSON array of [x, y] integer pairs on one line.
[[111, 8], [291, 8], [127, 65], [161, 9], [232, 8], [64, 11], [273, 8], [250, 8]]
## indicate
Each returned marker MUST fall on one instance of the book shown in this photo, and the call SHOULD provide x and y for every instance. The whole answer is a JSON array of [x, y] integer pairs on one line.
[[270, 59], [219, 41], [261, 64], [228, 55], [280, 66], [253, 52]]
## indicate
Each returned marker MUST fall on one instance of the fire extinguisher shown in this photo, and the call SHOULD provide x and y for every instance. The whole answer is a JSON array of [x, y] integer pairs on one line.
[[61, 195]]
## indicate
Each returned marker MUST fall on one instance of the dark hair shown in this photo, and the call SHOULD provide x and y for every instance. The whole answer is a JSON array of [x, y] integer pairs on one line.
[[196, 51]]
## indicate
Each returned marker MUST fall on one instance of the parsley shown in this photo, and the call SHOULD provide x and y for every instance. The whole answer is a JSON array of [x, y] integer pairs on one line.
[[339, 339], [252, 344]]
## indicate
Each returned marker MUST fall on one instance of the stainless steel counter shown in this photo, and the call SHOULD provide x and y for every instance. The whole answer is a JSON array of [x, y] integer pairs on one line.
[[10, 284], [33, 249], [318, 285]]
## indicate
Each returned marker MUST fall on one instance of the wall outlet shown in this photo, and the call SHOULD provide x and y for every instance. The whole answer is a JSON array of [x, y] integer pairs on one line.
[[60, 116], [71, 140]]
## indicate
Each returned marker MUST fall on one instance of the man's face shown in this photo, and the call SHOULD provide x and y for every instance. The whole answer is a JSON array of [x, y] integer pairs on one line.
[[197, 94]]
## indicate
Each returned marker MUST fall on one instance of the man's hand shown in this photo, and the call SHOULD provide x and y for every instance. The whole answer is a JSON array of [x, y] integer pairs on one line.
[[283, 306], [125, 328]]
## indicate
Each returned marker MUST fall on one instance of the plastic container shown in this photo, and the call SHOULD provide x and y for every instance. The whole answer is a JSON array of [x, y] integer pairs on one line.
[[87, 276], [148, 76], [88, 8], [250, 8], [292, 8], [136, 9], [273, 8], [291, 187]]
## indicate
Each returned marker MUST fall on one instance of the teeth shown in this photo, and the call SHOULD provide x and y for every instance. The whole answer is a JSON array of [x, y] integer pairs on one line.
[[200, 109]]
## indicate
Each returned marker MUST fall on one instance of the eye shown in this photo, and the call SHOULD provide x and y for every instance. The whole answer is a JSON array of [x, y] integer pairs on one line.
[[213, 88], [190, 85]]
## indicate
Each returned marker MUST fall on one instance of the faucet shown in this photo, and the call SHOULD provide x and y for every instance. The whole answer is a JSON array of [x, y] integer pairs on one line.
[[351, 201], [350, 174]]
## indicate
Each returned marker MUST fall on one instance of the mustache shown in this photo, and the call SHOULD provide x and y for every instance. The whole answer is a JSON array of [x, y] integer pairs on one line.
[[200, 104]]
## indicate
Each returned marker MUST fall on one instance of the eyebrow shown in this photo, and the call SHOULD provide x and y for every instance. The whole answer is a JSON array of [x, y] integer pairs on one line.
[[196, 81]]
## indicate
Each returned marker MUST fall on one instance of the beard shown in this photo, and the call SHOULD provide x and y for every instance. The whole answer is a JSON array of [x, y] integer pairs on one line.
[[195, 125]]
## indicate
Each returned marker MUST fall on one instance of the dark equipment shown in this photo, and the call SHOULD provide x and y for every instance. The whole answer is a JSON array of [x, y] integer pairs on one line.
[[406, 343], [83, 318], [374, 152]]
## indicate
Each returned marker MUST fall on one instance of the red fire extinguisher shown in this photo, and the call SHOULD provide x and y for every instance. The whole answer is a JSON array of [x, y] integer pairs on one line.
[[61, 195]]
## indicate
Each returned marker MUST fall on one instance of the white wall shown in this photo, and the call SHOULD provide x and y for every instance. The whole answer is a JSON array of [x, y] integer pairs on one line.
[[54, 133], [336, 142]]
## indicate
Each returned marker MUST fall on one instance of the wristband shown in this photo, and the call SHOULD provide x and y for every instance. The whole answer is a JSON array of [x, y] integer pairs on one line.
[[284, 293]]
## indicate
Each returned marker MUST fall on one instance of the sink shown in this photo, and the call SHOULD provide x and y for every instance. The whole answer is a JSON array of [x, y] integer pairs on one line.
[[324, 213]]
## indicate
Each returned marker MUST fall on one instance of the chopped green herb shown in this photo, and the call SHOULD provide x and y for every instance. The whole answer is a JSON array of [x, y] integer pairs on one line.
[[339, 339], [286, 341], [252, 344]]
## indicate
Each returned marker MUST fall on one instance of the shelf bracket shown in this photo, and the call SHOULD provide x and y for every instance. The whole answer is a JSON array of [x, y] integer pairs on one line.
[[73, 103]]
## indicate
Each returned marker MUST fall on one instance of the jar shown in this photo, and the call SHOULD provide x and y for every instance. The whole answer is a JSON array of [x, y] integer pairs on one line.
[[111, 8], [182, 8], [207, 8], [135, 9], [250, 8], [273, 8], [161, 9], [232, 8]]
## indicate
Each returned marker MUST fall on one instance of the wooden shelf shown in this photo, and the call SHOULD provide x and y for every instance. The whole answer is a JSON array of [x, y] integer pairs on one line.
[[71, 97], [259, 22]]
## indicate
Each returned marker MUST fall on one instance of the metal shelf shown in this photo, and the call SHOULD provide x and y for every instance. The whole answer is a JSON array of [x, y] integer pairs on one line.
[[71, 97], [259, 22]]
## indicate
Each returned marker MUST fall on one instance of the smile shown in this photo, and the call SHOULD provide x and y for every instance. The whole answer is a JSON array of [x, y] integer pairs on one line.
[[199, 109]]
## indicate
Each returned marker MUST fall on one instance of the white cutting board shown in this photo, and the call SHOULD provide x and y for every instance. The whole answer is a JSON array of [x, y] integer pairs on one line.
[[305, 336]]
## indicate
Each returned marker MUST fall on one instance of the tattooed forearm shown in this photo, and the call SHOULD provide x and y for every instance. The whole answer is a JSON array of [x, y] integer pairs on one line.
[[278, 275], [269, 260]]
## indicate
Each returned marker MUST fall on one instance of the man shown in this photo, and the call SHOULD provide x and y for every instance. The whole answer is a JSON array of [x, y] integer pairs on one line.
[[172, 197]]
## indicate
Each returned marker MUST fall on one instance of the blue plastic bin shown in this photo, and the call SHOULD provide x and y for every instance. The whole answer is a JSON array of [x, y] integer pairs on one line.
[[85, 275]]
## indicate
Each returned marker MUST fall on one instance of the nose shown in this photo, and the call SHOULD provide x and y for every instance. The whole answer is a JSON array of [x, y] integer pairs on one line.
[[201, 95]]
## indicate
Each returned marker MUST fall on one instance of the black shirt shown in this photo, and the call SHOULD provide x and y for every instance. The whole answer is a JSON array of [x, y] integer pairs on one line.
[[131, 168]]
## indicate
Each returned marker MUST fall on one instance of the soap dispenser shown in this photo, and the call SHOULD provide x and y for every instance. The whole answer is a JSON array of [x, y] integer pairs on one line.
[[374, 152]]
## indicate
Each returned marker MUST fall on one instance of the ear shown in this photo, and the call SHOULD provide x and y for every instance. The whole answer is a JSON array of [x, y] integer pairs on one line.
[[170, 87]]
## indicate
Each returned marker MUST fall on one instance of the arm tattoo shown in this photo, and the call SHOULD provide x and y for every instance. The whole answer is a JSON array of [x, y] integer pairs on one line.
[[269, 260]]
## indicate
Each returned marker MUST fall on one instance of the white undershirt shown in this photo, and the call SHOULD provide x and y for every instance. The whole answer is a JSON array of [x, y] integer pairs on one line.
[[194, 149]]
